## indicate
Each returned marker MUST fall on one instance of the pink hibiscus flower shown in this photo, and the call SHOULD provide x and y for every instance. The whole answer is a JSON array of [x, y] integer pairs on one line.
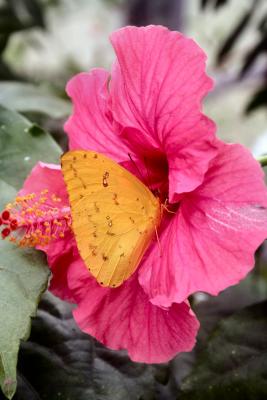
[[147, 116]]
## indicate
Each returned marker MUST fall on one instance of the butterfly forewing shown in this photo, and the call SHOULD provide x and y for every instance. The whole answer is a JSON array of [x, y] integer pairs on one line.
[[114, 215]]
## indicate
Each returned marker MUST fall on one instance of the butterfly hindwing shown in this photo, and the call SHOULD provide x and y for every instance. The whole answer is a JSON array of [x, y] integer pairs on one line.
[[113, 215]]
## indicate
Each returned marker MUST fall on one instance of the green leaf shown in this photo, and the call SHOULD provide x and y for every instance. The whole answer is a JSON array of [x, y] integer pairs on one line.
[[22, 145], [7, 193], [28, 98], [61, 362], [234, 363], [23, 278], [210, 311]]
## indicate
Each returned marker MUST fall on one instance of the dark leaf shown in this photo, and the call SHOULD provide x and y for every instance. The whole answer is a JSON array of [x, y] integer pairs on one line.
[[251, 290], [145, 12], [214, 3], [263, 25], [259, 100], [28, 12], [60, 362], [220, 3], [233, 364], [204, 3], [234, 35], [210, 310], [9, 22], [252, 56]]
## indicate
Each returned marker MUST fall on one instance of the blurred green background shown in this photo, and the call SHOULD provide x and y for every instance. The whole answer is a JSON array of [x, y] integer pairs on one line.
[[45, 42]]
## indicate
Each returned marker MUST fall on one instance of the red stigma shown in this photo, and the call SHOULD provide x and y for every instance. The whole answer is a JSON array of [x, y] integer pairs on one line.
[[13, 224], [5, 232], [5, 215]]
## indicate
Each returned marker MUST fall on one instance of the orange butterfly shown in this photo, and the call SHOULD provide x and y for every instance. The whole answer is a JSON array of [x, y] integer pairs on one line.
[[114, 215]]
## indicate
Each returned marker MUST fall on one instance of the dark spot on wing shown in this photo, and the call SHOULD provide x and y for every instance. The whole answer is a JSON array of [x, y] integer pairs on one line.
[[105, 179]]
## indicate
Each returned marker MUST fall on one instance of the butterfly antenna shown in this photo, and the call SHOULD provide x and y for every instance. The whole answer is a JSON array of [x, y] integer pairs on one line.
[[166, 208], [136, 167], [159, 244]]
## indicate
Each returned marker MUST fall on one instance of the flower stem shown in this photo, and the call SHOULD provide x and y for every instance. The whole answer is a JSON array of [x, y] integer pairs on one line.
[[262, 160]]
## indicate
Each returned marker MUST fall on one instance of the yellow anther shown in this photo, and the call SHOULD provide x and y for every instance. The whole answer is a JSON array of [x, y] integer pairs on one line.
[[38, 222]]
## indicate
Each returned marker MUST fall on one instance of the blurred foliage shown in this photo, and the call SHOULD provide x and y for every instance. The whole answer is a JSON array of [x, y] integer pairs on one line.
[[17, 15], [34, 99], [234, 35], [41, 102], [214, 3], [252, 53], [162, 12]]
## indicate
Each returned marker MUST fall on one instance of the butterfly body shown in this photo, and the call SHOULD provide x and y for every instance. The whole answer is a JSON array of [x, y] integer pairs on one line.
[[114, 215]]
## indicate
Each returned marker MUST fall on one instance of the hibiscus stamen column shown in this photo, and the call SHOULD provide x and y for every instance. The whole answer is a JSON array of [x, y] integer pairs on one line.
[[35, 219]]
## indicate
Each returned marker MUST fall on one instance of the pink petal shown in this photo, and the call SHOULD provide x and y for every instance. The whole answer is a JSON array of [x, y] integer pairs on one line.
[[61, 255], [210, 243], [156, 92], [123, 318], [46, 176], [90, 126]]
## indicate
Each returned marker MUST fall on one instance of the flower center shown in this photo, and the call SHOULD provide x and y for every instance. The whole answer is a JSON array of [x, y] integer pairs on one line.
[[35, 219]]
